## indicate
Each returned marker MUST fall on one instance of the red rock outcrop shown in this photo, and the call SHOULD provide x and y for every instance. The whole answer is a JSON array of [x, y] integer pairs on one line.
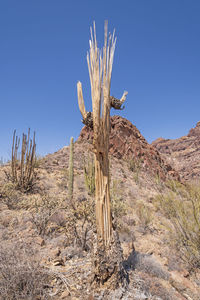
[[126, 142], [182, 153]]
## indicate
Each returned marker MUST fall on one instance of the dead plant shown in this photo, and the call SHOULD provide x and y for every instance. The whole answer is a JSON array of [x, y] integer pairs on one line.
[[21, 276]]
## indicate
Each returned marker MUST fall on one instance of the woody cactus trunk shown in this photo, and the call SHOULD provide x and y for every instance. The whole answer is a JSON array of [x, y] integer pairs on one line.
[[100, 70]]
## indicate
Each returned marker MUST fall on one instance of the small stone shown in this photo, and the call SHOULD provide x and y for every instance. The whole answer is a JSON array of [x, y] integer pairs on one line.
[[65, 295], [39, 241]]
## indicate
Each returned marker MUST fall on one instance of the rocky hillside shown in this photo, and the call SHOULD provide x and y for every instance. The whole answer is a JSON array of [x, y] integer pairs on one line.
[[127, 143], [47, 241], [182, 153]]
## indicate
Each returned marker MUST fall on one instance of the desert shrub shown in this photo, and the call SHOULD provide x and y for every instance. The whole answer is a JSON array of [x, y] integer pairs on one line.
[[118, 205], [147, 263], [10, 195], [135, 165], [42, 212], [80, 222], [155, 289], [59, 218], [182, 207], [15, 199], [64, 180], [158, 183], [40, 219], [21, 277], [76, 218], [144, 216], [177, 187]]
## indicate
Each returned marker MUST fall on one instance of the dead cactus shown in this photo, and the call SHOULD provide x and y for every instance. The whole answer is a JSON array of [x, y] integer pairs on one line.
[[100, 70]]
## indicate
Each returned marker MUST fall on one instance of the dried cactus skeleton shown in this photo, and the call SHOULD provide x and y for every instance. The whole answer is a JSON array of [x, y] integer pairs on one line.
[[114, 102], [88, 120], [100, 70]]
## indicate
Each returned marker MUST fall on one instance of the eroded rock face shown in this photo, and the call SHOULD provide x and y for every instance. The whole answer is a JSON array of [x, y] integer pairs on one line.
[[195, 131], [182, 153], [126, 142]]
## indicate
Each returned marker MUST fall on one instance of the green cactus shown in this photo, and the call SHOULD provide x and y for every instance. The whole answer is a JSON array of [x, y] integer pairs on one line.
[[71, 169], [89, 173]]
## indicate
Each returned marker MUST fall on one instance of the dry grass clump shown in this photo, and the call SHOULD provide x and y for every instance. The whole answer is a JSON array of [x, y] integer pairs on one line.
[[182, 207], [51, 215], [144, 216], [10, 195], [21, 277], [148, 264], [119, 207], [76, 218], [80, 222], [40, 219], [135, 165], [42, 212]]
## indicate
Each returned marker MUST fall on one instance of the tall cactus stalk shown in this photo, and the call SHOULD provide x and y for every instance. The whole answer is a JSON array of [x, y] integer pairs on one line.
[[71, 169], [22, 167], [100, 70]]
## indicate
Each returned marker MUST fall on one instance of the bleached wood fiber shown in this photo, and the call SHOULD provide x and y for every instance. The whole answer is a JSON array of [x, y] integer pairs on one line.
[[100, 71]]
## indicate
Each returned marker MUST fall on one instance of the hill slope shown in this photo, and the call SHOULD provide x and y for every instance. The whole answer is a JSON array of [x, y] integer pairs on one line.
[[182, 153], [127, 143], [58, 235]]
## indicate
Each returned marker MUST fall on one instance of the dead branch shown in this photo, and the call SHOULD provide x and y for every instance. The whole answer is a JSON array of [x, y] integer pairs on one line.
[[117, 103]]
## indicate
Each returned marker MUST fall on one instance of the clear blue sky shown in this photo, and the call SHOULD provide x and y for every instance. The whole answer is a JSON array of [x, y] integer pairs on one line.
[[43, 46]]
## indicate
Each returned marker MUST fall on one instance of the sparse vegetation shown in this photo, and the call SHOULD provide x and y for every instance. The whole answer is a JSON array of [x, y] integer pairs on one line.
[[42, 212], [145, 217], [147, 263], [118, 205], [80, 222], [10, 195], [21, 277], [134, 166], [40, 219], [182, 207], [80, 212]]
